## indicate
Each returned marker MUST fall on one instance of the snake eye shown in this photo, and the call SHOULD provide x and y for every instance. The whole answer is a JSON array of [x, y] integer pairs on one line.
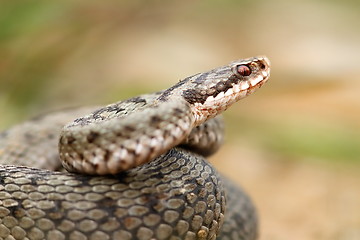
[[243, 70]]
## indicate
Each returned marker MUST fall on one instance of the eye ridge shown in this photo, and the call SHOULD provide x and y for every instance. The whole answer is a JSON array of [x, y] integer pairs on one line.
[[243, 70]]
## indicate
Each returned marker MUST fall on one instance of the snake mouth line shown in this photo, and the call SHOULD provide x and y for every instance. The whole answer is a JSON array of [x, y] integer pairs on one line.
[[257, 83], [215, 105], [238, 91]]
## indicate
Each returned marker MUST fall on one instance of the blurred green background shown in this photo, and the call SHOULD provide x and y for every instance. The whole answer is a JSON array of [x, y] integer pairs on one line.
[[294, 145]]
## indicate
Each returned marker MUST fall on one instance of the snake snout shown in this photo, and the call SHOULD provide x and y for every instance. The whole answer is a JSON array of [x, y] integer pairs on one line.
[[265, 61]]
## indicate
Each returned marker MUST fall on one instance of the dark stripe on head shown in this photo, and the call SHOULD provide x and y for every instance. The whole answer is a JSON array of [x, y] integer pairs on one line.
[[199, 95], [194, 96]]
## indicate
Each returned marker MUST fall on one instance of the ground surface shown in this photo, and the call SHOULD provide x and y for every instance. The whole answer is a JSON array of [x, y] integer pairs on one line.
[[297, 200]]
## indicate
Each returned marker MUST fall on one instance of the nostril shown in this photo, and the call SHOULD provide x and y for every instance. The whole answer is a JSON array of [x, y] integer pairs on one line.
[[262, 66]]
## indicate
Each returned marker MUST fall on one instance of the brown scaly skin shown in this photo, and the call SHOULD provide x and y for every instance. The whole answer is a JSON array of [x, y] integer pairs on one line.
[[176, 196]]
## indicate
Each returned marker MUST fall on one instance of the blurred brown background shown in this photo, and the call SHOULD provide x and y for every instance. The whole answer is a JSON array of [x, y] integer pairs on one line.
[[294, 145]]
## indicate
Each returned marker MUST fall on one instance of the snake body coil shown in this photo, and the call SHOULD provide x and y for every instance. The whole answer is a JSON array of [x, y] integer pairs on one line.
[[155, 191]]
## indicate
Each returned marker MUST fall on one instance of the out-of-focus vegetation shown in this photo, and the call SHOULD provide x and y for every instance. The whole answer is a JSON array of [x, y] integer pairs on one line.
[[57, 54], [71, 53]]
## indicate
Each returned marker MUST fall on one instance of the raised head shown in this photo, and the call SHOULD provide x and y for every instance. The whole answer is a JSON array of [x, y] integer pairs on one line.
[[214, 91]]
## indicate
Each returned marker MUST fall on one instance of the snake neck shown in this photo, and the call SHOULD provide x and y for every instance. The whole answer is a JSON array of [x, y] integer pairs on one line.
[[130, 133]]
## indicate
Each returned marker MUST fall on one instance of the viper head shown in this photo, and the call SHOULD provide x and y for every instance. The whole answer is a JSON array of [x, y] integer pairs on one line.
[[214, 91]]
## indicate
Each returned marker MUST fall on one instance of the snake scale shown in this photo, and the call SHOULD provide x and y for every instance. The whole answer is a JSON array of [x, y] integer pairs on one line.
[[136, 168]]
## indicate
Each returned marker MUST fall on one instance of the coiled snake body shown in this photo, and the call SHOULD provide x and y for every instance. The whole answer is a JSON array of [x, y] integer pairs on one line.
[[146, 187]]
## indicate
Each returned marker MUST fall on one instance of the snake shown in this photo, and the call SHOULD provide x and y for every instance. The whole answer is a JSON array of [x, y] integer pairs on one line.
[[134, 169]]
